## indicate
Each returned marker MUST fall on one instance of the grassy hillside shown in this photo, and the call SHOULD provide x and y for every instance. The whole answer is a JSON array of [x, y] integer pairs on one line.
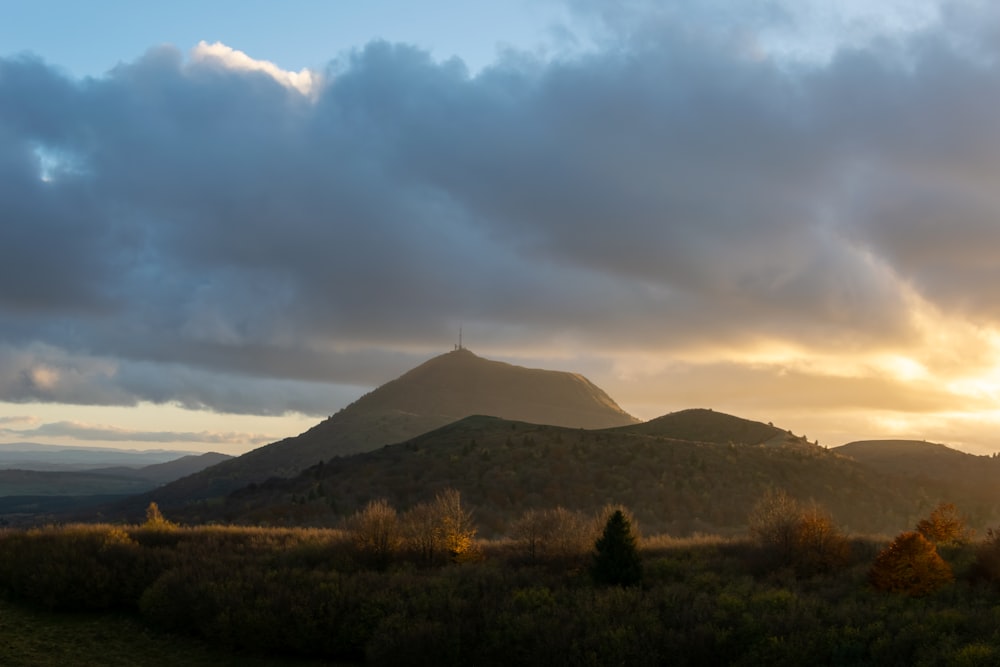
[[503, 468]]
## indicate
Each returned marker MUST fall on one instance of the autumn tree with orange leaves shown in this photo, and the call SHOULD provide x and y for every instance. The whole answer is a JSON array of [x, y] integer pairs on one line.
[[910, 565]]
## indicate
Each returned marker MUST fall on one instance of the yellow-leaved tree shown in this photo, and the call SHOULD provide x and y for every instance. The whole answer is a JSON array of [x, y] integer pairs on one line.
[[455, 527], [944, 525], [441, 529]]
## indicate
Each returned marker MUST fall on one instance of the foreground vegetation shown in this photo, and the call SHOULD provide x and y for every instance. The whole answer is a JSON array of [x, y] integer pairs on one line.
[[794, 592], [31, 637]]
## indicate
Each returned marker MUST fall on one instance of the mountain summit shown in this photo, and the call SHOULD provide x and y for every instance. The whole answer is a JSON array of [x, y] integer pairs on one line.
[[459, 384], [440, 391]]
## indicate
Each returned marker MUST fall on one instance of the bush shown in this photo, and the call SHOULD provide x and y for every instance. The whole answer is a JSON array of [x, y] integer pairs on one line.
[[910, 565]]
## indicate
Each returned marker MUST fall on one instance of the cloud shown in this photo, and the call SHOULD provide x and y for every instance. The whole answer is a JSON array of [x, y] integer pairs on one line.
[[303, 81], [18, 421], [49, 374], [219, 233]]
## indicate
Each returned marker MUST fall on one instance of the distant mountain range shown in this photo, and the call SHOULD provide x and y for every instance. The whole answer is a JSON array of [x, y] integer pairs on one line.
[[35, 456], [26, 494]]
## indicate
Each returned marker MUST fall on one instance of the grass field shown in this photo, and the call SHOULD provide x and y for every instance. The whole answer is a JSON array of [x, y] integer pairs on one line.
[[32, 638]]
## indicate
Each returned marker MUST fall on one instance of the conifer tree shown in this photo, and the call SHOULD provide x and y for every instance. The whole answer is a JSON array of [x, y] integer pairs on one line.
[[616, 556]]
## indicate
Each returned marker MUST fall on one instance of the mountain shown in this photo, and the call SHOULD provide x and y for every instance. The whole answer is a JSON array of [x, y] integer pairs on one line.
[[168, 471], [440, 391], [34, 456], [102, 481]]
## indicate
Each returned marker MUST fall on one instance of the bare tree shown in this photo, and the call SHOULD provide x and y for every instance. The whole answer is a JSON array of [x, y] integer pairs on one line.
[[419, 533], [375, 532], [774, 523], [551, 534]]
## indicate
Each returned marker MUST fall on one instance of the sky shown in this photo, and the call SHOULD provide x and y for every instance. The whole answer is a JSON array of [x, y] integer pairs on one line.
[[222, 222]]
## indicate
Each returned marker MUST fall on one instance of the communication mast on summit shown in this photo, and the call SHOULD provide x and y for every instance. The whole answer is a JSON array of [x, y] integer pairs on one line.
[[459, 346]]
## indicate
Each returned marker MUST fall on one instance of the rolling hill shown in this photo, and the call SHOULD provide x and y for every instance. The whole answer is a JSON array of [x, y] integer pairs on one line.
[[691, 471], [970, 481], [703, 425], [917, 458]]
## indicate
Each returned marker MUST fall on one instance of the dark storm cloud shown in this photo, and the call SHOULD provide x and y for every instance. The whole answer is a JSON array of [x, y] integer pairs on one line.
[[178, 218]]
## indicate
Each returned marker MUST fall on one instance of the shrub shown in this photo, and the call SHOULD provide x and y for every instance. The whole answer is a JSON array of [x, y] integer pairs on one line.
[[910, 565]]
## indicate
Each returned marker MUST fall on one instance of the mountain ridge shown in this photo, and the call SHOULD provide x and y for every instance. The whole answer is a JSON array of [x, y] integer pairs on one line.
[[443, 389]]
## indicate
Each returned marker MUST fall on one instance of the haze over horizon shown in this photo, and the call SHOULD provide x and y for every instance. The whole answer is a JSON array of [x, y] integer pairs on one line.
[[222, 224]]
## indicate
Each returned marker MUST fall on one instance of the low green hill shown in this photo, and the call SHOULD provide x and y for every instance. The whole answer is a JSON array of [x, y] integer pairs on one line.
[[674, 485], [704, 425]]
